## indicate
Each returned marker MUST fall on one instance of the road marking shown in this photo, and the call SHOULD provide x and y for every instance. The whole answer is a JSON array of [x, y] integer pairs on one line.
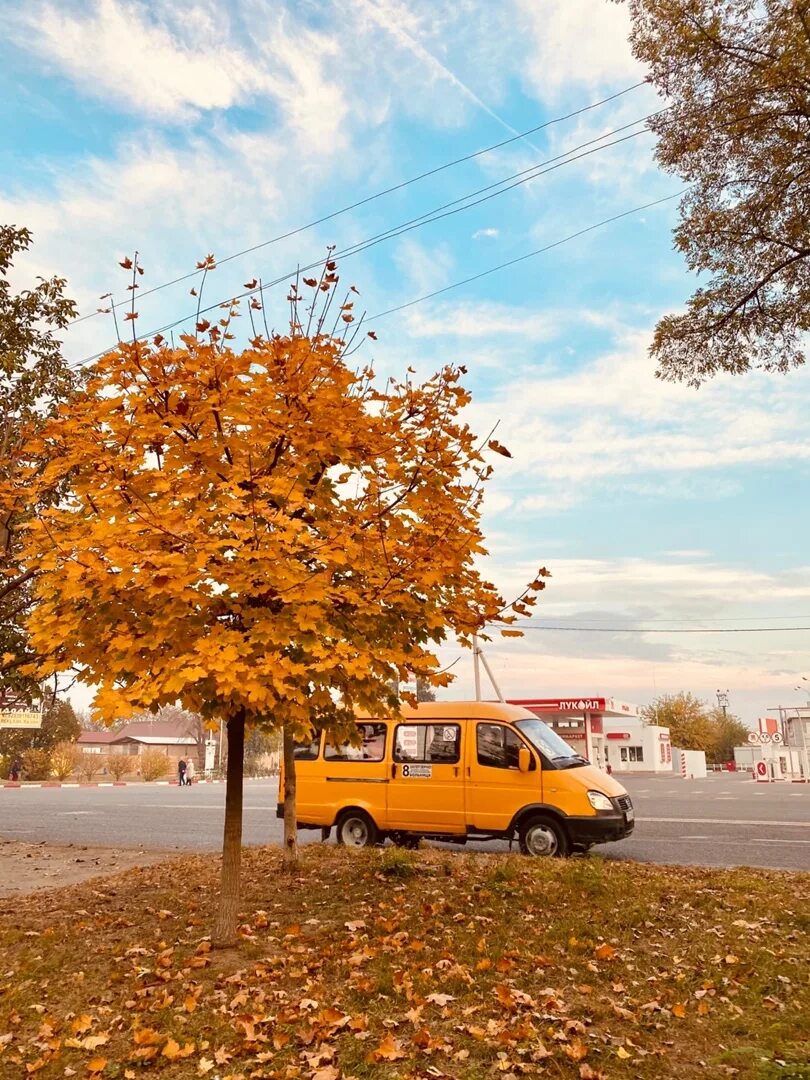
[[714, 840], [724, 821], [74, 813], [190, 806]]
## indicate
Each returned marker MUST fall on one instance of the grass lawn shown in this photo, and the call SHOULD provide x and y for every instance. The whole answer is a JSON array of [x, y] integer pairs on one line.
[[387, 963]]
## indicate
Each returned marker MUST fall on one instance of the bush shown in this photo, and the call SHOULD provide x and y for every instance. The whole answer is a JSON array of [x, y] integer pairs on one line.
[[64, 759], [36, 764], [89, 765], [118, 765], [154, 764]]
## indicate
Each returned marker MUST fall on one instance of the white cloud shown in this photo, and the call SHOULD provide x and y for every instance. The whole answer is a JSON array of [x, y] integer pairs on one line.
[[423, 268], [482, 320], [486, 233], [113, 49], [170, 61], [577, 41], [612, 418]]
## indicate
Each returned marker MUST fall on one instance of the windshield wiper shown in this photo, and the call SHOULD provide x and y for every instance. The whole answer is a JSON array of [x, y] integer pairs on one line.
[[573, 761]]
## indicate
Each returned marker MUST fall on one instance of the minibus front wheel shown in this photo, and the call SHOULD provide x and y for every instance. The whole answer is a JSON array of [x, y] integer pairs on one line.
[[543, 836], [356, 829]]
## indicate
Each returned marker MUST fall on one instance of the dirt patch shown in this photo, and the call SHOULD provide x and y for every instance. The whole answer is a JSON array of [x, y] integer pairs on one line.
[[27, 868]]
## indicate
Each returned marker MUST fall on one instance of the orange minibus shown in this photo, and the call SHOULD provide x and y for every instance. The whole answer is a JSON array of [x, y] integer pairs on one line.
[[459, 771]]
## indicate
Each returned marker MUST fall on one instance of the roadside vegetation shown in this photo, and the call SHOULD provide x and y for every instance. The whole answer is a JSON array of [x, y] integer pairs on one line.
[[412, 964]]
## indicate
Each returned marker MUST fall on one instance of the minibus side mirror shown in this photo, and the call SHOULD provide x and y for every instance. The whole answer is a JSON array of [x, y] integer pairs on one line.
[[524, 759]]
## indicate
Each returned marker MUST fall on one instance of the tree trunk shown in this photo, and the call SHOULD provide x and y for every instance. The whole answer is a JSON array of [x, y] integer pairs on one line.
[[290, 860], [225, 923]]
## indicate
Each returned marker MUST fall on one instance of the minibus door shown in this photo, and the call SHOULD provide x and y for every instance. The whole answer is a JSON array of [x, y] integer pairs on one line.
[[426, 792], [496, 787]]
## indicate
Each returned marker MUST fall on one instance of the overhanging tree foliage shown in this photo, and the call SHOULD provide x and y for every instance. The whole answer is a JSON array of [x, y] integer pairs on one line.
[[34, 378], [263, 535], [736, 77]]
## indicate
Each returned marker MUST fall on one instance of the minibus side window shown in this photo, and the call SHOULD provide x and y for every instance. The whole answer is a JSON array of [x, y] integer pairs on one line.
[[498, 746], [307, 751], [429, 743], [372, 747]]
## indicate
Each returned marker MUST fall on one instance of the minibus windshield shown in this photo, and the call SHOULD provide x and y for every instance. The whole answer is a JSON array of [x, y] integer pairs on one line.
[[550, 745]]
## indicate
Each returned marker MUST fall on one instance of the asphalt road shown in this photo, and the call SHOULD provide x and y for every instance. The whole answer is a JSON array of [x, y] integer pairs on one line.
[[724, 820]]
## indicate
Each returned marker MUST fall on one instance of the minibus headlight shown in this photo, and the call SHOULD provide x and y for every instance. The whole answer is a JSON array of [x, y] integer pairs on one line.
[[599, 801]]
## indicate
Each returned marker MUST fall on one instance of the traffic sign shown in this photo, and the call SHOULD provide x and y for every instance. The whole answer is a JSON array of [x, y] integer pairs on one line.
[[764, 737], [753, 736], [762, 769], [777, 737]]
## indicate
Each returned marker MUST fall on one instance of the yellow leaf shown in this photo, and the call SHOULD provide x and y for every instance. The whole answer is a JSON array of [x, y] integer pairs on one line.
[[604, 952], [171, 1050], [389, 1049], [96, 1064], [147, 1037], [622, 1053], [204, 1065], [81, 1024], [679, 1010]]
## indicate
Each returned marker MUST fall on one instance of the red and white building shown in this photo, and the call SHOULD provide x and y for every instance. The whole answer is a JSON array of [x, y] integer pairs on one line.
[[605, 731]]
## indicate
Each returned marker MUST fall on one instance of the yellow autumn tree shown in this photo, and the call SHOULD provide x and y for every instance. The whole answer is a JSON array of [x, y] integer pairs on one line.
[[265, 536]]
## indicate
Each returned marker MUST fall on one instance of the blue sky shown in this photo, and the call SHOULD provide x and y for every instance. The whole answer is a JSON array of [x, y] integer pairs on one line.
[[182, 129]]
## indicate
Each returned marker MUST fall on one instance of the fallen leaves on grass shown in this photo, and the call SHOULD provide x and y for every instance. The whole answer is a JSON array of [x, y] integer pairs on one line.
[[429, 965]]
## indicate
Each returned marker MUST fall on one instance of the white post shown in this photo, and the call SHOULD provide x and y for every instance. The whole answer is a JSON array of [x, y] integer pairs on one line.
[[477, 667], [495, 686]]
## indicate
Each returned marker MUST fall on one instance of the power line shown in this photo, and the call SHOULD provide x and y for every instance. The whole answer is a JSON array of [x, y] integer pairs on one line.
[[437, 214], [669, 630], [727, 619], [523, 258], [385, 191]]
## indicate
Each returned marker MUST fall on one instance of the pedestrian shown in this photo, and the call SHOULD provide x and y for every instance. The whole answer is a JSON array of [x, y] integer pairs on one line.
[[181, 772], [16, 769], [189, 772]]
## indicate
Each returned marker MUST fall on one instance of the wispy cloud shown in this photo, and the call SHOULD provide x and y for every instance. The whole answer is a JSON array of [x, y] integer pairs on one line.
[[398, 22], [487, 233], [167, 62]]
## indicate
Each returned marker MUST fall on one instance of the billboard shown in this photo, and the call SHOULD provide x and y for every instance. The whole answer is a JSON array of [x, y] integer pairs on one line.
[[20, 718]]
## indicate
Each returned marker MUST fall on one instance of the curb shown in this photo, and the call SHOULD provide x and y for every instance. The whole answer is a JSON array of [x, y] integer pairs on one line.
[[94, 783]]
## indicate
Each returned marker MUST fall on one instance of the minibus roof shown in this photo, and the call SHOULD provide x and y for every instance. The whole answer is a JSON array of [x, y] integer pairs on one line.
[[466, 710]]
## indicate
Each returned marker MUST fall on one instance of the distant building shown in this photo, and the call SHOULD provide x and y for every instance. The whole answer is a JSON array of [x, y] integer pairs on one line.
[[780, 748], [606, 732], [170, 736]]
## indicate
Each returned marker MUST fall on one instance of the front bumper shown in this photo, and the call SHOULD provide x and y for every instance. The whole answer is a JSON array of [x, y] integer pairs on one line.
[[600, 829]]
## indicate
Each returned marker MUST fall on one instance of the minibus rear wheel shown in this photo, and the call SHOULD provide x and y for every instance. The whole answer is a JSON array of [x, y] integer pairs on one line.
[[356, 829], [543, 836]]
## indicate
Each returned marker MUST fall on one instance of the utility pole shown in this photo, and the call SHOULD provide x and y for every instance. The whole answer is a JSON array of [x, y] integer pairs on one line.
[[477, 667], [478, 659]]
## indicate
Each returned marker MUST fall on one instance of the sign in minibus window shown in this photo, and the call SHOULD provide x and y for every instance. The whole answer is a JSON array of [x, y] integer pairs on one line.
[[436, 743], [497, 746], [372, 747]]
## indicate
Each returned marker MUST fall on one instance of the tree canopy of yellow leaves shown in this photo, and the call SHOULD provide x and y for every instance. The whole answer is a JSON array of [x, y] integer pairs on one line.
[[263, 533]]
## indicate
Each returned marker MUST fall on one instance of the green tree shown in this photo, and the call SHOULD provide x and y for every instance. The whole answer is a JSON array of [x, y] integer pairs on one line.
[[730, 731], [734, 77], [694, 725], [34, 379], [687, 717]]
